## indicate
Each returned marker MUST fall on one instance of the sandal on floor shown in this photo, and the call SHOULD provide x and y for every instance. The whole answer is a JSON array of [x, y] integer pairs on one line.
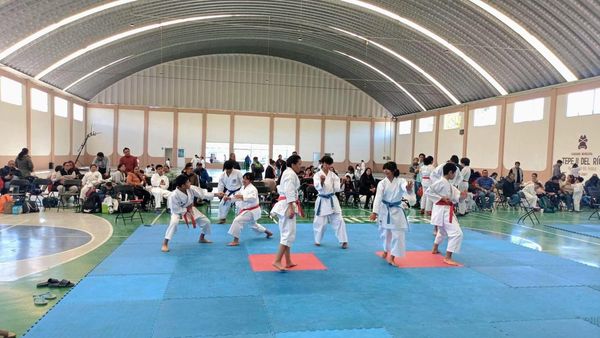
[[39, 300], [47, 283], [7, 334], [48, 295], [62, 284]]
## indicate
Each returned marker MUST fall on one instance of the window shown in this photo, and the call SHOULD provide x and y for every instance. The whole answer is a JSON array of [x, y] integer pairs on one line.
[[77, 112], [217, 152], [60, 107], [529, 110], [404, 127], [485, 116], [11, 91], [285, 150], [261, 151], [583, 103], [452, 121], [426, 124], [39, 100]]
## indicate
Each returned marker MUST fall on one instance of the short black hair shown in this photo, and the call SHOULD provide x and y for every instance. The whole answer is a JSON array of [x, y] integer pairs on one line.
[[100, 154], [519, 163], [449, 168], [559, 161], [293, 159], [125, 149], [421, 154], [93, 165], [327, 159], [188, 165], [454, 159], [428, 160], [158, 166], [465, 161], [393, 167], [181, 180], [249, 177], [228, 165]]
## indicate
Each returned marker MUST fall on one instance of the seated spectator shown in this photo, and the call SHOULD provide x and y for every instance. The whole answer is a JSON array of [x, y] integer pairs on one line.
[[171, 175], [67, 172], [367, 186], [509, 191], [485, 190], [592, 183], [188, 171], [530, 191], [566, 190], [494, 176], [102, 163], [149, 171], [90, 181], [271, 170], [257, 169], [160, 185], [108, 190], [8, 173], [71, 170], [552, 189], [137, 180], [350, 188], [24, 164], [203, 176], [119, 177]]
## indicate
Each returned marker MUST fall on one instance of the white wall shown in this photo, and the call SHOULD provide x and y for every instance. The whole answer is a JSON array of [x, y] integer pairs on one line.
[[41, 132], [450, 142], [404, 145], [189, 133], [78, 136], [14, 128], [310, 138], [251, 129], [425, 142], [335, 139], [482, 143], [526, 142], [62, 135], [383, 139], [102, 121], [218, 128], [284, 131], [160, 132], [131, 131], [360, 141]]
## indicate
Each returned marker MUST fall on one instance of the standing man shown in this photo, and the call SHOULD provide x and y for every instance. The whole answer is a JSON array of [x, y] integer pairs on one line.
[[327, 206], [247, 162], [518, 174], [128, 160], [233, 161], [556, 168], [230, 182]]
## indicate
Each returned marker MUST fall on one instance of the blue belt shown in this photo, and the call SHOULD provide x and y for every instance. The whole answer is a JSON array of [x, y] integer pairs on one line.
[[230, 192], [328, 196], [389, 206]]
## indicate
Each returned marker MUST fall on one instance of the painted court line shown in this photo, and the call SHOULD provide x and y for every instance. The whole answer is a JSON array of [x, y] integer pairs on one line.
[[157, 217]]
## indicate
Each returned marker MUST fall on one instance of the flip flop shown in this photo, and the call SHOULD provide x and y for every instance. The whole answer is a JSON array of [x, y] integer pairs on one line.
[[62, 284], [39, 300], [48, 295], [47, 283], [7, 334]]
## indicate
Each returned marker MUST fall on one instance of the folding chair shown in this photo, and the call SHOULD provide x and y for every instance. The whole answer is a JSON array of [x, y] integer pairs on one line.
[[67, 194], [595, 206], [501, 199], [18, 190], [264, 198], [528, 209], [38, 187], [128, 204]]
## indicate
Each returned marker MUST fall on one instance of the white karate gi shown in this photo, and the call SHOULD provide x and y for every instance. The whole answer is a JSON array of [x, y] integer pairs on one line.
[[179, 202], [250, 201], [231, 183], [327, 207], [89, 181], [390, 217], [465, 174], [577, 195], [530, 195], [288, 193], [443, 217], [159, 190], [426, 182]]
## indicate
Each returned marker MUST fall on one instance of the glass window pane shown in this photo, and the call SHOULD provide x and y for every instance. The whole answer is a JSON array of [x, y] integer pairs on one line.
[[217, 152], [426, 124], [404, 127], [39, 100], [61, 107], [580, 103], [77, 112], [285, 150], [452, 121], [242, 150], [11, 91], [528, 110], [485, 116]]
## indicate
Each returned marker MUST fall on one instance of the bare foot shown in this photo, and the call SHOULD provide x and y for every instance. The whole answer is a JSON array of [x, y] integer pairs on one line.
[[384, 255], [345, 245], [278, 266], [269, 234], [221, 221], [164, 248], [204, 241], [450, 262], [435, 252], [290, 265], [233, 243], [392, 261]]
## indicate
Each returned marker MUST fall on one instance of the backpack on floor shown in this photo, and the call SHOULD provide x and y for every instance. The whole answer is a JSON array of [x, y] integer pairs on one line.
[[32, 206], [546, 204], [50, 202], [91, 204]]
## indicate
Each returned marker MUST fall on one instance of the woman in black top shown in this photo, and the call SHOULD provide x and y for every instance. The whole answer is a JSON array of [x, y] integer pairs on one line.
[[367, 186]]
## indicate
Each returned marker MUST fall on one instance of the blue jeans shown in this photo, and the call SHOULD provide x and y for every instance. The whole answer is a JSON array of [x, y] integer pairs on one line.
[[490, 202], [514, 200]]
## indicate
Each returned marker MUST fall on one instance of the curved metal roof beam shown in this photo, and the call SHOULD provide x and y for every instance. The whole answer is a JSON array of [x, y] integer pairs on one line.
[[126, 34], [406, 61], [96, 71], [538, 45], [433, 36], [49, 29], [386, 76]]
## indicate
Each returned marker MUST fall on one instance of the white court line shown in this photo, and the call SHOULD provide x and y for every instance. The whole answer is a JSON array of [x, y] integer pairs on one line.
[[12, 226], [157, 217]]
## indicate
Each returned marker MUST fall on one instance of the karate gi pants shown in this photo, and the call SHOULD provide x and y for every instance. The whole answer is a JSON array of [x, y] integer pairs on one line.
[[451, 231], [336, 221], [287, 229], [159, 194], [240, 220], [201, 221], [394, 241]]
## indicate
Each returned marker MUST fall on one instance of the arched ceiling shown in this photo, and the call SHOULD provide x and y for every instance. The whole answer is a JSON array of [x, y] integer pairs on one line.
[[344, 37]]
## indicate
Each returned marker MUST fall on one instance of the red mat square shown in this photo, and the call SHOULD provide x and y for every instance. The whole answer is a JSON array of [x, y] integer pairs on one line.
[[305, 261], [421, 259]]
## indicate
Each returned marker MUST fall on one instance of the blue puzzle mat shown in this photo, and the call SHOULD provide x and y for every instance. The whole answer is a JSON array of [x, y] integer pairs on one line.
[[206, 290]]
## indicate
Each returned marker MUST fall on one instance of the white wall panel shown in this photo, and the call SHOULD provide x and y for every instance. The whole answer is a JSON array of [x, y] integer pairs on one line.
[[310, 138], [532, 155], [62, 136], [242, 82], [360, 141], [335, 139], [78, 136], [218, 128], [41, 133], [189, 133], [425, 142], [251, 129], [14, 129], [382, 141], [160, 132], [284, 131], [482, 143], [404, 147], [102, 121], [131, 131], [450, 142]]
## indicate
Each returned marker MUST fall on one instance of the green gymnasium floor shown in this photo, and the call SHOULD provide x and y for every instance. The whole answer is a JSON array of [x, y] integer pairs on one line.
[[565, 234]]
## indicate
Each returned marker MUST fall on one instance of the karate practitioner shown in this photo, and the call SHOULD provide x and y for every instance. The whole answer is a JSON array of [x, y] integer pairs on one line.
[[389, 213], [426, 170], [230, 182], [181, 202], [91, 180], [577, 193], [443, 195], [437, 174], [463, 185], [160, 184], [327, 206], [249, 210], [286, 209]]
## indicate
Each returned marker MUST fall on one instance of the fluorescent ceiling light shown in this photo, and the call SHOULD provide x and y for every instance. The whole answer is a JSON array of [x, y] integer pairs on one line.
[[47, 30], [405, 60], [124, 35], [532, 40], [95, 71], [434, 37], [386, 76]]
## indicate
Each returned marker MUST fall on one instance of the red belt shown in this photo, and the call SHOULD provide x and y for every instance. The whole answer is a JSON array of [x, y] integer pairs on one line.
[[185, 217], [451, 205], [300, 210], [249, 209], [425, 177]]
